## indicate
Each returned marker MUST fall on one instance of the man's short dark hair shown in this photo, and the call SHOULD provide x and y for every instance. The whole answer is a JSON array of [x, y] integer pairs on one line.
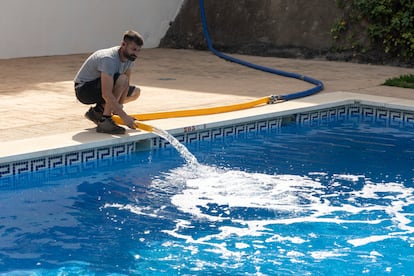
[[133, 36]]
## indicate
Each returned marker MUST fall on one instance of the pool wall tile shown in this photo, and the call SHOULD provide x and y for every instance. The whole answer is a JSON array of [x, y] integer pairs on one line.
[[65, 159], [389, 117]]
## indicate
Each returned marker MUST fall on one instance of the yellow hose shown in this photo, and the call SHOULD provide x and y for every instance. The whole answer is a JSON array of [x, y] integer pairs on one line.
[[143, 126], [139, 125], [189, 112]]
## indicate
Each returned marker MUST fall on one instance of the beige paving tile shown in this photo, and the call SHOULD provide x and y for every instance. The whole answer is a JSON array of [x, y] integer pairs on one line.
[[38, 101]]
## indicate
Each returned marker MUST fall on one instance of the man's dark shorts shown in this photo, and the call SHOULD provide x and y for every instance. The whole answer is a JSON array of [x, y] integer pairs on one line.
[[91, 93]]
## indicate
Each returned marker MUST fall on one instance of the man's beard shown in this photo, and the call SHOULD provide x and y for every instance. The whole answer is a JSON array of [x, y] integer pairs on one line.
[[130, 57]]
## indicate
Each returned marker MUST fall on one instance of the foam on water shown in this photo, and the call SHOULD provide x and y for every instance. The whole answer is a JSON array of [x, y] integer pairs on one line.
[[249, 213], [221, 221], [249, 216], [258, 200]]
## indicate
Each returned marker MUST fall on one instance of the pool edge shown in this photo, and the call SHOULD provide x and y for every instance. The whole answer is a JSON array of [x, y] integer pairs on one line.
[[190, 129]]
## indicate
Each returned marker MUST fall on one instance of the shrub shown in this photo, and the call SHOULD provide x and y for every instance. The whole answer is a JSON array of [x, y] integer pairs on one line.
[[405, 81], [388, 24]]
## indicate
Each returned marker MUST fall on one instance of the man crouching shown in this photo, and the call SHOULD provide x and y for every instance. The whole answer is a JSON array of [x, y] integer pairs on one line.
[[103, 79]]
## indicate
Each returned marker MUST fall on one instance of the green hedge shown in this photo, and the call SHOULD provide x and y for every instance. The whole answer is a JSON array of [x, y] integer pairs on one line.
[[388, 24]]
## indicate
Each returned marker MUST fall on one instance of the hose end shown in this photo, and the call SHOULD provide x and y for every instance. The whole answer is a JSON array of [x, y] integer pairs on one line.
[[274, 99]]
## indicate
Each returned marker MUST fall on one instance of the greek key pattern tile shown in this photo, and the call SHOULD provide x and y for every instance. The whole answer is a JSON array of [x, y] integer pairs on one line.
[[65, 159], [89, 157], [215, 133], [389, 117]]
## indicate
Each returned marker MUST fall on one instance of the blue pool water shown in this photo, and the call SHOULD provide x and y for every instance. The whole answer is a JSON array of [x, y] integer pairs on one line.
[[334, 198]]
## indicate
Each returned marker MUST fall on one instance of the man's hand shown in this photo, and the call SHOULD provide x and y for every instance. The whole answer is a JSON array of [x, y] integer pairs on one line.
[[129, 121]]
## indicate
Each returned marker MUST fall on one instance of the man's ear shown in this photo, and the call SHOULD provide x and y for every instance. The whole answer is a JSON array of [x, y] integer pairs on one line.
[[123, 44]]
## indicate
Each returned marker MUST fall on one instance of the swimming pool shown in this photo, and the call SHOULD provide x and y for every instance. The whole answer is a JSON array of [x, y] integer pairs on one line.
[[327, 196]]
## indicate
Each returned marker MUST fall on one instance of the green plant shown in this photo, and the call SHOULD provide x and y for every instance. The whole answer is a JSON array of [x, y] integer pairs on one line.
[[405, 81], [389, 25]]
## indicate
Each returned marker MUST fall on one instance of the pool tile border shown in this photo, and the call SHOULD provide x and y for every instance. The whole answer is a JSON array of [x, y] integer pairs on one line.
[[65, 159], [212, 133], [389, 116]]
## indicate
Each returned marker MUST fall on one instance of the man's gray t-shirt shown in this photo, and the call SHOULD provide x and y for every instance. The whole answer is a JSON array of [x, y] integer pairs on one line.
[[102, 61]]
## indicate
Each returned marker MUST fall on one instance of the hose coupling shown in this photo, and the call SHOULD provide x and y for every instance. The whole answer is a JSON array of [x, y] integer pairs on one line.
[[274, 99]]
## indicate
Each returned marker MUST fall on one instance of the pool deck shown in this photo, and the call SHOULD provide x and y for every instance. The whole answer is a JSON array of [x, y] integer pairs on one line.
[[41, 113]]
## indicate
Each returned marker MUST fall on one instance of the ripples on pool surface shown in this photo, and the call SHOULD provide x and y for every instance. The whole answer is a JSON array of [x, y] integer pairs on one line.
[[333, 199]]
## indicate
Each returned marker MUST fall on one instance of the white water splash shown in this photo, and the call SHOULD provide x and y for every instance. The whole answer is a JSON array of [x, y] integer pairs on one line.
[[213, 194], [217, 195], [250, 213], [187, 155]]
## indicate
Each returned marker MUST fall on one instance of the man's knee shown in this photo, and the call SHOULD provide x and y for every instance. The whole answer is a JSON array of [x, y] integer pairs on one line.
[[135, 94], [122, 81]]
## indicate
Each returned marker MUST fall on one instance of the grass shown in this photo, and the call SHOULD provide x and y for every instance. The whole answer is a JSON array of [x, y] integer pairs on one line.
[[405, 81]]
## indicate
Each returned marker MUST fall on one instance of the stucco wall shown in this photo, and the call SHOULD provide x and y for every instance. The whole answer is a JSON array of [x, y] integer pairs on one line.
[[57, 27], [256, 26]]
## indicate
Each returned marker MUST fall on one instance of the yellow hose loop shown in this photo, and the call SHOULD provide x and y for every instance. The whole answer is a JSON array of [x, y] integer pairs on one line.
[[189, 112]]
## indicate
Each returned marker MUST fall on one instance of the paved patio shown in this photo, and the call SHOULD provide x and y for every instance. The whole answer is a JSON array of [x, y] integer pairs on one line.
[[37, 97]]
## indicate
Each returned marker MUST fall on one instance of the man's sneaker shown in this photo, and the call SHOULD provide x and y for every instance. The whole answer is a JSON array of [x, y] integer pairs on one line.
[[106, 125], [93, 115]]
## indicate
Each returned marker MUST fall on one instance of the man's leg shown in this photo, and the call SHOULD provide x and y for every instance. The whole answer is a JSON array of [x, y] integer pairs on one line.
[[90, 93], [132, 95], [121, 88], [120, 91], [127, 92], [123, 92]]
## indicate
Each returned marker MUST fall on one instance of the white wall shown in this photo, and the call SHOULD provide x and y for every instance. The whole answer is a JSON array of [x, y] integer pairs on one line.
[[60, 27]]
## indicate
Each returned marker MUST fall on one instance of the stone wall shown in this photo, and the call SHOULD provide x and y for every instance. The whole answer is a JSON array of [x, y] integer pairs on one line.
[[298, 28]]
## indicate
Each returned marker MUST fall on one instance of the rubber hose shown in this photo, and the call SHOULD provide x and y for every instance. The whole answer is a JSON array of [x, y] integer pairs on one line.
[[318, 84]]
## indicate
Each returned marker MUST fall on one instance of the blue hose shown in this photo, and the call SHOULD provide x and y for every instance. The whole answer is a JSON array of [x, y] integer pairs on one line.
[[318, 84]]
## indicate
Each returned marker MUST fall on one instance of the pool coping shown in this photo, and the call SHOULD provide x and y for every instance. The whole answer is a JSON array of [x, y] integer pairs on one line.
[[86, 145]]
